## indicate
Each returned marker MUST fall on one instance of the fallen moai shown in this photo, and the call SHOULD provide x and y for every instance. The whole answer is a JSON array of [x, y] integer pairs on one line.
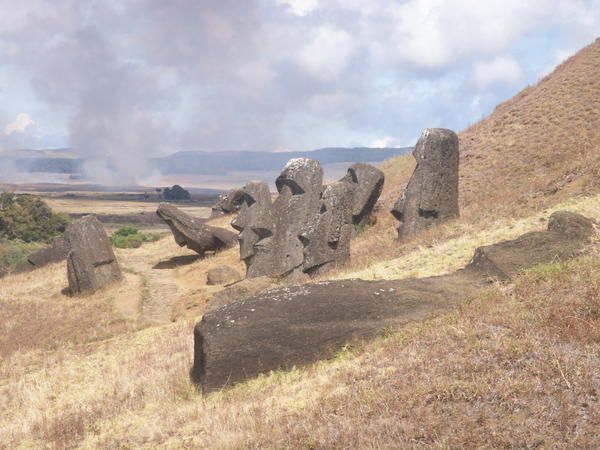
[[91, 262], [296, 325], [308, 226], [229, 204], [194, 234], [431, 196], [55, 252]]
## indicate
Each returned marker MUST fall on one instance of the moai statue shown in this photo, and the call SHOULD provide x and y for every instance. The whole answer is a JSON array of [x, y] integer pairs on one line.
[[431, 196], [254, 224]]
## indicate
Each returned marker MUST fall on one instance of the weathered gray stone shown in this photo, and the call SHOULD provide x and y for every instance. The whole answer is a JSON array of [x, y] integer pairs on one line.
[[431, 196], [240, 291], [222, 275], [271, 233], [229, 204], [563, 240], [55, 252], [254, 223], [91, 262], [308, 227], [194, 234], [289, 326], [368, 181]]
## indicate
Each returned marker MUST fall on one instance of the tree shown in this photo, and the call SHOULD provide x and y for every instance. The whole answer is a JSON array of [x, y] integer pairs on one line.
[[29, 219], [176, 192]]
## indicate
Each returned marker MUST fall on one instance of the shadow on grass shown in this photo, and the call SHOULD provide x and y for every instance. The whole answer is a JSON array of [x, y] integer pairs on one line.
[[177, 261]]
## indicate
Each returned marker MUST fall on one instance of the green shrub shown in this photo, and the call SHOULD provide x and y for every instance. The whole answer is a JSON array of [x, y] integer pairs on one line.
[[131, 237], [29, 219], [13, 254]]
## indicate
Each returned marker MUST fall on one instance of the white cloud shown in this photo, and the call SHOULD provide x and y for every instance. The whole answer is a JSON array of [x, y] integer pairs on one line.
[[299, 7], [19, 125], [327, 53], [500, 70], [385, 142]]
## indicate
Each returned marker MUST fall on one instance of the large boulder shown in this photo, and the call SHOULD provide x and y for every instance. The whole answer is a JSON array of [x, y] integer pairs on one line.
[[222, 275], [55, 252], [228, 204], [194, 234], [431, 196], [296, 325], [91, 262]]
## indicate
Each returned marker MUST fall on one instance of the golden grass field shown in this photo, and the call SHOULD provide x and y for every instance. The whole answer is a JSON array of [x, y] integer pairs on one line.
[[516, 367], [121, 207]]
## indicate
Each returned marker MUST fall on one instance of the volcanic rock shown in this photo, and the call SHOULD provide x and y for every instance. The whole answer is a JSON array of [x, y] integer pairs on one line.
[[91, 262], [56, 252], [229, 204], [431, 196], [194, 234], [296, 325]]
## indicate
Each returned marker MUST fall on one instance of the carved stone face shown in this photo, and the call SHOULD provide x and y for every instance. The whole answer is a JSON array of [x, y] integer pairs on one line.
[[253, 220]]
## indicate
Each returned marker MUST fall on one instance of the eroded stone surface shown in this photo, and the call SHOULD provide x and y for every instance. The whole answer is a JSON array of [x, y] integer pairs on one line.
[[431, 196], [296, 325], [192, 233], [309, 226], [55, 252], [91, 262], [229, 204]]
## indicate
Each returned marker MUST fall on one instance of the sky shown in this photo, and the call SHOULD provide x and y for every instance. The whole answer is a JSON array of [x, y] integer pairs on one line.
[[127, 79]]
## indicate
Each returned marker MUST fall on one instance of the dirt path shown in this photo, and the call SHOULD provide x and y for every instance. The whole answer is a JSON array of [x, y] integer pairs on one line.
[[159, 288]]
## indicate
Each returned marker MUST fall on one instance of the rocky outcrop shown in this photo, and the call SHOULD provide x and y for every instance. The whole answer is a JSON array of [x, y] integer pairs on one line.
[[56, 252], [431, 196], [228, 204], [309, 226], [222, 275], [297, 325], [194, 234], [91, 262]]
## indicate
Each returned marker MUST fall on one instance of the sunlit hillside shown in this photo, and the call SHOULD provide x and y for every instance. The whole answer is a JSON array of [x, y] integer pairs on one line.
[[515, 366]]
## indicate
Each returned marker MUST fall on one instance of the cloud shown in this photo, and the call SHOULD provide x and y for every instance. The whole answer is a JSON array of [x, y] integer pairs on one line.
[[19, 125], [299, 7], [136, 78], [500, 70], [385, 142]]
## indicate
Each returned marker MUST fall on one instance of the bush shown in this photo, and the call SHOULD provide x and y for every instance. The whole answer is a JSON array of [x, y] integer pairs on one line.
[[131, 237], [13, 254], [176, 193], [29, 219]]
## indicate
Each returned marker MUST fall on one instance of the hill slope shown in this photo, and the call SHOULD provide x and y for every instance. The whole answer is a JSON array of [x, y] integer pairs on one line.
[[539, 147]]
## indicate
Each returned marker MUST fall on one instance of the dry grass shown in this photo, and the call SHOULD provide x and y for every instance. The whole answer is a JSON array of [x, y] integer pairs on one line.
[[515, 367], [121, 207]]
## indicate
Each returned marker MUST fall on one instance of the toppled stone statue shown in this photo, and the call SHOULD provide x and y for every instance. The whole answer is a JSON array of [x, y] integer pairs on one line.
[[194, 234], [228, 204], [55, 252], [91, 262], [309, 226], [431, 196], [368, 184], [284, 327]]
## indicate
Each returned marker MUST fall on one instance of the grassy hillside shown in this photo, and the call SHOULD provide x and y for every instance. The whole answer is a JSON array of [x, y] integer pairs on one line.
[[517, 366]]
